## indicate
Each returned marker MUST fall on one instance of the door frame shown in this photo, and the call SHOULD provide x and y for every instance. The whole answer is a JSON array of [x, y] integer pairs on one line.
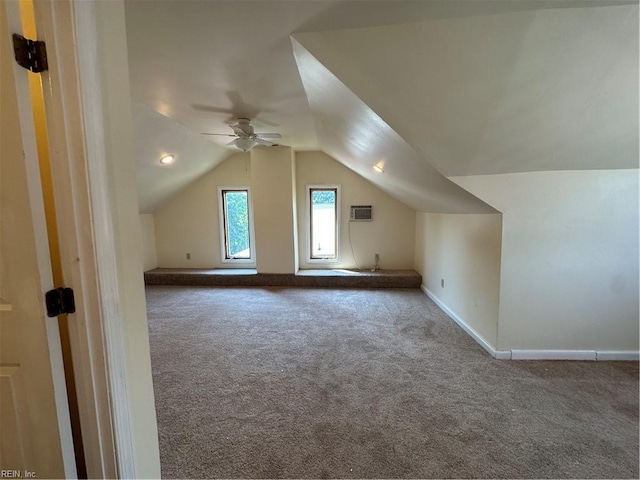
[[20, 87], [74, 102]]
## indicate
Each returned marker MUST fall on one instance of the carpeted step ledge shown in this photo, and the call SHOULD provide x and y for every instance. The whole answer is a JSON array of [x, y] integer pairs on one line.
[[338, 278]]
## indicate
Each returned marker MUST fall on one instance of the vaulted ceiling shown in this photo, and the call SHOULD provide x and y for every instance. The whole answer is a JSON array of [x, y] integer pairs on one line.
[[427, 88]]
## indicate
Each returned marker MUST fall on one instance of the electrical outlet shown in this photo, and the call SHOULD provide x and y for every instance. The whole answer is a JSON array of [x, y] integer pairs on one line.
[[442, 282], [377, 258], [188, 256]]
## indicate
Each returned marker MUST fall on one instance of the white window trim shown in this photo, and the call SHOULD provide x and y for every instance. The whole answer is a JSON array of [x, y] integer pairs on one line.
[[223, 254], [308, 224]]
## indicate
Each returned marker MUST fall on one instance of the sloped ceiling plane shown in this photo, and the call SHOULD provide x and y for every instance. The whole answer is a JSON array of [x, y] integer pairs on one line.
[[431, 89]]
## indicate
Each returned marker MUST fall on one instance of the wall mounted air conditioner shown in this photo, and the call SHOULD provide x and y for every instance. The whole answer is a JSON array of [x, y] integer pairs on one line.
[[360, 213]]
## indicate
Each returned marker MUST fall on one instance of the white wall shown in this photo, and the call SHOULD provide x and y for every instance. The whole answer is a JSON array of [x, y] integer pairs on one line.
[[569, 278], [464, 251], [272, 187], [118, 123], [391, 233], [148, 234], [188, 223]]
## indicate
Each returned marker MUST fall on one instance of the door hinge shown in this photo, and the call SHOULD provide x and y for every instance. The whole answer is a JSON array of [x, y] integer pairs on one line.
[[30, 54], [59, 301]]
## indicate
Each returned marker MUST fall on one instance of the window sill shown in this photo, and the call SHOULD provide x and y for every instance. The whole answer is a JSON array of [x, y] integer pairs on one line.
[[322, 260], [243, 261]]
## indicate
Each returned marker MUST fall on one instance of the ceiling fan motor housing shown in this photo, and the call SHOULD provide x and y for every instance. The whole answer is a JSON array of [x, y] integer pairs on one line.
[[247, 138]]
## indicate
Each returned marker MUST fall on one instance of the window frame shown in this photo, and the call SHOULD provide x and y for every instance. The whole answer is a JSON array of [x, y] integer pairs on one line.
[[309, 258], [222, 223]]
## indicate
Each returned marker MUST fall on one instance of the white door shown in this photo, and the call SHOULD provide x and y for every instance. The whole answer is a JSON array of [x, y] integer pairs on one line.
[[35, 434]]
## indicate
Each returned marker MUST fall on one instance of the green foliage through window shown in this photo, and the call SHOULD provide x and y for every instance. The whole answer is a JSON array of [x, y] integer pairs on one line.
[[323, 224], [236, 210]]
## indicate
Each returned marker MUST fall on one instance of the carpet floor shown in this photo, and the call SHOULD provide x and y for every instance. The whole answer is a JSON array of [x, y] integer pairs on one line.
[[318, 383]]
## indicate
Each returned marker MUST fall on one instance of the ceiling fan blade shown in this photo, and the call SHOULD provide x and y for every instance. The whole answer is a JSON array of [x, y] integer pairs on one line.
[[210, 108], [266, 122], [232, 142], [269, 135], [266, 143], [219, 134]]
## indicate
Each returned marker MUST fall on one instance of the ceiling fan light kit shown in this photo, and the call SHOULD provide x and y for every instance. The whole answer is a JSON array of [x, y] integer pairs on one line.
[[246, 138], [244, 143]]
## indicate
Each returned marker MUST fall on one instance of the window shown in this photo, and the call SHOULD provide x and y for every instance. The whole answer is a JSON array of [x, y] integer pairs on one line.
[[236, 225], [322, 208]]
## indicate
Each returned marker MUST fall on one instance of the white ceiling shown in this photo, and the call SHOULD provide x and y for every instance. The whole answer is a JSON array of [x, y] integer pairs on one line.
[[350, 131], [516, 92], [467, 87], [157, 135]]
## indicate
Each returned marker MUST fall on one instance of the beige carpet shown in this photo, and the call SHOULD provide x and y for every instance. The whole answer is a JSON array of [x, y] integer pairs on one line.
[[303, 383]]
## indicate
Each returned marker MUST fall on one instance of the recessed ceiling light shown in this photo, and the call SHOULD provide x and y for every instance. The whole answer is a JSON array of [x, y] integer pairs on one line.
[[167, 159], [378, 168]]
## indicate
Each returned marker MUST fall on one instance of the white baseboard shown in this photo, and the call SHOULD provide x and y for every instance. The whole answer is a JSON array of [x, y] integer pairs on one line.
[[618, 355], [553, 354], [610, 355], [499, 354], [602, 355], [503, 355]]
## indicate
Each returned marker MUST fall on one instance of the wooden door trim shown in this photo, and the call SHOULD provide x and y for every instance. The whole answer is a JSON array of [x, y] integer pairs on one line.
[[77, 135], [34, 186]]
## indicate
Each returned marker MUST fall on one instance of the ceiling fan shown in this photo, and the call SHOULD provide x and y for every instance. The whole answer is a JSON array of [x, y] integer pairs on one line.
[[246, 138]]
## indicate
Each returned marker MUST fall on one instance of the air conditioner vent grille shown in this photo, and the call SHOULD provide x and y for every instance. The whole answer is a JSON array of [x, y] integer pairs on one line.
[[361, 213]]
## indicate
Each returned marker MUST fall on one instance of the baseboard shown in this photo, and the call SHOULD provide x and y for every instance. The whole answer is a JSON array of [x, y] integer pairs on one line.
[[553, 355], [601, 355], [618, 355], [609, 355], [503, 355], [499, 354]]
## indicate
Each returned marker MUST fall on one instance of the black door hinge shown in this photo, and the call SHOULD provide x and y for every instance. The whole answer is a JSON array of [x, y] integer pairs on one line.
[[59, 301], [30, 54]]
